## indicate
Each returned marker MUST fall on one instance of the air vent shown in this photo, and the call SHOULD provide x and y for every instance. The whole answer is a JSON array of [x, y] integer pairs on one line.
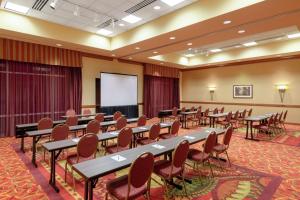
[[39, 4], [106, 24], [139, 6]]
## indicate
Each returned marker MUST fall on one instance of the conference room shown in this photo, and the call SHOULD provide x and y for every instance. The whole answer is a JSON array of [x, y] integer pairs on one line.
[[149, 99]]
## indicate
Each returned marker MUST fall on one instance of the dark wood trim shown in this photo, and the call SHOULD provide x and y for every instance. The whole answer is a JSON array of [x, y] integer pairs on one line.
[[90, 55], [247, 62], [293, 123], [94, 106], [129, 62], [242, 104]]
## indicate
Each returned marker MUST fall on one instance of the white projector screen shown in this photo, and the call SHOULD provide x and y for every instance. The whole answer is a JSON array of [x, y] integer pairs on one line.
[[118, 89]]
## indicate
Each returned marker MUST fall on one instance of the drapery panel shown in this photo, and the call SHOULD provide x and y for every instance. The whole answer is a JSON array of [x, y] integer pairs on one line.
[[156, 70], [30, 91]]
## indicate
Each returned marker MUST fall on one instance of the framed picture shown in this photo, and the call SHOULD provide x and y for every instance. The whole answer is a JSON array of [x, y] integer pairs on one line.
[[243, 91]]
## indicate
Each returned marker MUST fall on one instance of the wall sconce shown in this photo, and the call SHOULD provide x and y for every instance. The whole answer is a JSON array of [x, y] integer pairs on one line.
[[282, 89], [211, 91]]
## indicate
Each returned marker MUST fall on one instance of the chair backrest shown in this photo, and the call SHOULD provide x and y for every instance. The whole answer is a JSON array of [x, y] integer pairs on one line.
[[87, 145], [285, 114], [183, 109], [275, 119], [70, 112], [60, 132], [86, 112], [280, 117], [99, 117], [199, 108], [154, 131], [244, 113], [236, 115], [215, 111], [210, 143], [93, 127], [125, 137], [174, 111], [121, 123], [192, 108], [72, 120], [140, 170], [229, 116], [180, 154], [250, 112], [206, 112], [271, 121], [222, 110], [175, 127], [142, 121], [45, 123], [227, 136], [198, 114], [117, 115]]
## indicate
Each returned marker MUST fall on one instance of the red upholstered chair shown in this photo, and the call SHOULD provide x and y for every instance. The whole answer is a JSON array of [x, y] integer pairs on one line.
[[216, 111], [169, 169], [174, 115], [142, 121], [134, 184], [117, 115], [192, 108], [222, 110], [283, 120], [250, 112], [200, 157], [199, 108], [86, 112], [72, 120], [204, 117], [70, 112], [123, 141], [241, 119], [222, 148], [121, 123], [234, 120], [99, 117], [86, 150], [196, 118], [93, 127], [173, 132], [226, 122], [266, 128], [45, 123], [153, 135]]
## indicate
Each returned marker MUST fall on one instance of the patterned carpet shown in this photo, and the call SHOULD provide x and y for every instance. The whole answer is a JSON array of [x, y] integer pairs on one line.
[[268, 169]]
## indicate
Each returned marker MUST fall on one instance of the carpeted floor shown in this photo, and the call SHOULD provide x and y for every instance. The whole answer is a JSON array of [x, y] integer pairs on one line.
[[268, 169]]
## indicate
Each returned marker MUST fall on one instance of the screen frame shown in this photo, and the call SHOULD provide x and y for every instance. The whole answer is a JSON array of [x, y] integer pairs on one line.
[[137, 85]]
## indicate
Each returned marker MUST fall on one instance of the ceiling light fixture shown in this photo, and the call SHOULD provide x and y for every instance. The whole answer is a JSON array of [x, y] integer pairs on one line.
[[130, 58], [76, 11], [189, 55], [189, 44], [215, 50], [53, 4], [137, 48], [104, 32], [294, 35], [172, 2], [161, 63], [249, 44], [241, 31], [155, 52], [131, 19], [121, 24], [190, 49], [172, 38], [16, 7], [227, 22], [59, 45], [113, 55], [156, 7]]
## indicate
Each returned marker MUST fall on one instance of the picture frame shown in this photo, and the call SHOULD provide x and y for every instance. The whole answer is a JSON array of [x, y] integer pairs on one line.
[[243, 91]]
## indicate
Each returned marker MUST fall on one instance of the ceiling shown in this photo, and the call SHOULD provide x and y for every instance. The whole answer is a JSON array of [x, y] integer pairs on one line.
[[96, 14], [198, 25]]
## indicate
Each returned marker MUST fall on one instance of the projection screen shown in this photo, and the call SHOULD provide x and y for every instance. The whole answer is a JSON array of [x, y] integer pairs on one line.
[[118, 89]]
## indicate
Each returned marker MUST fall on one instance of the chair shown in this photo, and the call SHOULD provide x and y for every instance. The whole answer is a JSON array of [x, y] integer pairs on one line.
[[86, 112], [45, 123], [169, 169], [93, 127], [192, 108], [226, 122], [205, 116], [197, 117], [72, 120], [215, 111], [282, 122], [234, 120], [142, 121], [121, 123], [174, 115], [134, 184], [241, 118], [266, 128], [123, 141], [174, 131], [153, 135], [200, 157], [86, 150], [117, 115], [99, 117], [70, 112], [250, 113], [222, 148], [222, 110], [199, 108]]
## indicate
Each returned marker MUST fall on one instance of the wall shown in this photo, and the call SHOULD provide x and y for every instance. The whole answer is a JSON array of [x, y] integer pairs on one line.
[[263, 77], [91, 70]]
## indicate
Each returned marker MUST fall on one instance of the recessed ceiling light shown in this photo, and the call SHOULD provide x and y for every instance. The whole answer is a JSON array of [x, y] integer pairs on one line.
[[121, 24], [215, 50], [172, 38], [161, 63], [189, 55], [104, 32], [237, 46], [113, 55], [249, 44], [241, 31], [227, 22], [156, 7], [189, 44], [130, 58], [131, 19], [59, 45], [295, 35], [16, 7], [137, 48], [172, 2], [155, 52], [53, 4], [190, 49]]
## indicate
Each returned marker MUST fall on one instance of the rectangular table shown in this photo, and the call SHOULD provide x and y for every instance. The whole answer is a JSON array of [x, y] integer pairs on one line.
[[184, 117], [213, 117], [165, 113], [92, 170], [250, 120], [36, 135], [55, 148]]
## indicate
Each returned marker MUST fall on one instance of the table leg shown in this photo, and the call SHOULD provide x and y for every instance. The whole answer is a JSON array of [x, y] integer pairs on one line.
[[90, 190], [213, 122], [52, 181], [86, 190], [33, 160], [251, 130], [22, 144], [209, 121], [247, 130], [184, 119]]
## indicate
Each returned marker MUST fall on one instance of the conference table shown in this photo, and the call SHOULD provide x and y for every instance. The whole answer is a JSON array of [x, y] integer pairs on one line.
[[184, 117], [94, 169], [83, 115], [55, 148], [37, 134], [21, 129], [214, 117], [162, 114], [250, 120]]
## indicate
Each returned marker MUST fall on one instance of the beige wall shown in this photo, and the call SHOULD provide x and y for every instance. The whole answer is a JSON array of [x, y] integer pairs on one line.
[[263, 77], [91, 70]]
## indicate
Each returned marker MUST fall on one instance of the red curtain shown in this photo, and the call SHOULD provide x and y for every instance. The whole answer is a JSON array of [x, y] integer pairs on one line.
[[160, 93], [30, 91]]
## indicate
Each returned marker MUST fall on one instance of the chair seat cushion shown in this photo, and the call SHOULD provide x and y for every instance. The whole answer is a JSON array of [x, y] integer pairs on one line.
[[197, 155], [72, 159], [144, 141], [119, 187], [220, 148], [163, 169], [166, 135], [114, 149]]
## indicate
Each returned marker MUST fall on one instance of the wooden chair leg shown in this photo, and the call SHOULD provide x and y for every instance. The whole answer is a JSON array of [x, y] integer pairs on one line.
[[66, 170], [212, 173], [106, 196], [228, 158], [73, 178], [184, 186]]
